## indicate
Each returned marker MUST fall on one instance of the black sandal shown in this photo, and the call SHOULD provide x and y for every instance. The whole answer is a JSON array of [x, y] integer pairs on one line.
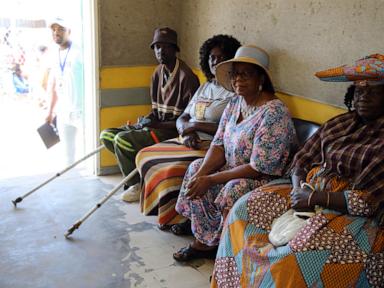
[[182, 228], [164, 227], [189, 253]]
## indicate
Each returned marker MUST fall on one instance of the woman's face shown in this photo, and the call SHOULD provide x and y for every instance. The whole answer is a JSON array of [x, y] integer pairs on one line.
[[216, 56], [368, 99], [245, 79]]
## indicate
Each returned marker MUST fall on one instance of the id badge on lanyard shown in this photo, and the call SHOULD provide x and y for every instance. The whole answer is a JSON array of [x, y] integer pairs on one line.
[[60, 83], [63, 62]]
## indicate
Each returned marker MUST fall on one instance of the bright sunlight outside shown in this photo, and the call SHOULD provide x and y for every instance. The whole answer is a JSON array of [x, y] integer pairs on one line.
[[25, 49]]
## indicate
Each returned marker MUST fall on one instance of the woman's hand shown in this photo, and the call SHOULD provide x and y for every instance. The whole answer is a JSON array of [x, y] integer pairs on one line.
[[198, 186], [298, 176], [186, 128], [183, 125], [299, 199], [191, 140]]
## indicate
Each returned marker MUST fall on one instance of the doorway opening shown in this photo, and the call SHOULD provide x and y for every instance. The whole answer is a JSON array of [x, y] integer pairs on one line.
[[26, 53]]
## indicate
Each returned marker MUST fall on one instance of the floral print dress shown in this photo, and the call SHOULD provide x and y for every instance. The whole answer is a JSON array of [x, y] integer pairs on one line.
[[264, 140]]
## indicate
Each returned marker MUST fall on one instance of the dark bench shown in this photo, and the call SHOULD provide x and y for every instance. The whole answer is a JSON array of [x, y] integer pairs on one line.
[[304, 129]]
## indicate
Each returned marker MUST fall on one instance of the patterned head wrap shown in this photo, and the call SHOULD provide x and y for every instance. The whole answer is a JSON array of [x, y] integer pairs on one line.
[[368, 68]]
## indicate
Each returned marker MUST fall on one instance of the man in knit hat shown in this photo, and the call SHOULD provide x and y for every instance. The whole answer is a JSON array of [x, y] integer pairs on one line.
[[173, 85]]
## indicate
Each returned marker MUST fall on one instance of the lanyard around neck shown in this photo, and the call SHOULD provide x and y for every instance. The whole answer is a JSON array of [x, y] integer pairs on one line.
[[62, 65]]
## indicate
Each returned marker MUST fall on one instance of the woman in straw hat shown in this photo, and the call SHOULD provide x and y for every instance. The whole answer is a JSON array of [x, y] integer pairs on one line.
[[251, 147], [340, 172]]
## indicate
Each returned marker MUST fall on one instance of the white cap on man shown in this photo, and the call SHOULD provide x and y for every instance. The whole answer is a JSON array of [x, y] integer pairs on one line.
[[59, 21]]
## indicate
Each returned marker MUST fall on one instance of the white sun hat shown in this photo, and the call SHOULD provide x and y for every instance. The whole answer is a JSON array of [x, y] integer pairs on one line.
[[245, 54]]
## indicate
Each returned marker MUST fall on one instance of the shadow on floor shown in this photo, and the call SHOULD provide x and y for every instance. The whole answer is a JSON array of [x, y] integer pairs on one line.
[[115, 247]]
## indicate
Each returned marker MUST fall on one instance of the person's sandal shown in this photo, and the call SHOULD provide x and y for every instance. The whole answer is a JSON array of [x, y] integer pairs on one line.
[[189, 253], [182, 228], [164, 227]]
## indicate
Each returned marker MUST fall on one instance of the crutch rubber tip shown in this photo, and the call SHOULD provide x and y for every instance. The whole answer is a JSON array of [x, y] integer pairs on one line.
[[69, 232], [17, 200], [72, 229]]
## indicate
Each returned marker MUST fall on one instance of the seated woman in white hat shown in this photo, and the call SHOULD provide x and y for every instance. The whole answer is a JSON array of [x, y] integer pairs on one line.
[[251, 147]]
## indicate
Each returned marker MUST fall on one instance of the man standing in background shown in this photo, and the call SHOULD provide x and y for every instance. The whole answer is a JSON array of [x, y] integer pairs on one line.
[[66, 90]]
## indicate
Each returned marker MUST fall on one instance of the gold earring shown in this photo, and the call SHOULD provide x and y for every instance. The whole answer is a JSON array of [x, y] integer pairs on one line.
[[260, 87]]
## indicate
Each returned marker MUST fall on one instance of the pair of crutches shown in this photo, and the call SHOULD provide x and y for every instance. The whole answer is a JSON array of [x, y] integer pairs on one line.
[[91, 211]]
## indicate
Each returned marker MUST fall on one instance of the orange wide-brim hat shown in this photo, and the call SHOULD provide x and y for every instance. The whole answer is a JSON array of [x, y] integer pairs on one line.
[[368, 68]]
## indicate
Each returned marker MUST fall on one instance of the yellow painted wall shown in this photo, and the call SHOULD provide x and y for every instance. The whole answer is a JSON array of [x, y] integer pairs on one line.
[[125, 77], [118, 78], [133, 77], [116, 117], [303, 108]]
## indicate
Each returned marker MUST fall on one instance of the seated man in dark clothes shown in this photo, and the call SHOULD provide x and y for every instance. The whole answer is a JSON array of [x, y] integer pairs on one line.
[[173, 85]]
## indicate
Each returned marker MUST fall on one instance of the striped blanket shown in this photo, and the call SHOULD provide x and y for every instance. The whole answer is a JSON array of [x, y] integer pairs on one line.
[[162, 167]]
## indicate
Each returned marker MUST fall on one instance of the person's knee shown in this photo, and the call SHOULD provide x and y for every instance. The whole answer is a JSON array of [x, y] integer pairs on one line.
[[124, 136], [232, 184], [107, 135], [233, 189], [196, 163], [122, 140]]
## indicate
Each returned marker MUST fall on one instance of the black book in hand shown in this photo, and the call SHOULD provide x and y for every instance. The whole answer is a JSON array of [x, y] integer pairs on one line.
[[49, 134]]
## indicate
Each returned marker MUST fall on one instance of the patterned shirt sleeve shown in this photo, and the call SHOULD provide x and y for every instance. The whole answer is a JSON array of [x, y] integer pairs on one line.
[[273, 141]]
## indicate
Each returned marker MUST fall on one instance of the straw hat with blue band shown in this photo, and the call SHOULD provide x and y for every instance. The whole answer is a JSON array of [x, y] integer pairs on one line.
[[245, 54]]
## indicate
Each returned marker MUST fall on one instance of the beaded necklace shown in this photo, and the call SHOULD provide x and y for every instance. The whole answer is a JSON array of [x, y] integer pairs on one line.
[[247, 110]]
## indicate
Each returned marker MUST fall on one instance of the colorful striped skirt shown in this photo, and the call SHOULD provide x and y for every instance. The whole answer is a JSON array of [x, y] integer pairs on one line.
[[162, 167]]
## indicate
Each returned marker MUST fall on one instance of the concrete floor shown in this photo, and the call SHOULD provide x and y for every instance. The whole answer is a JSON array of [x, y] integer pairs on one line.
[[115, 247]]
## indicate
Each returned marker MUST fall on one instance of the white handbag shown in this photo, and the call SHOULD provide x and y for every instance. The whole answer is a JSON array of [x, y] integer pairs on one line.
[[285, 227]]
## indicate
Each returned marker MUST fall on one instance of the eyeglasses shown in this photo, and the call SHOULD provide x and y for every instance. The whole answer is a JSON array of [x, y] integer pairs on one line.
[[244, 75]]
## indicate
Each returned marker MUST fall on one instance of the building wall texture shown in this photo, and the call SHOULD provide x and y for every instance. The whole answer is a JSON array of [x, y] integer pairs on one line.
[[126, 29], [301, 36]]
